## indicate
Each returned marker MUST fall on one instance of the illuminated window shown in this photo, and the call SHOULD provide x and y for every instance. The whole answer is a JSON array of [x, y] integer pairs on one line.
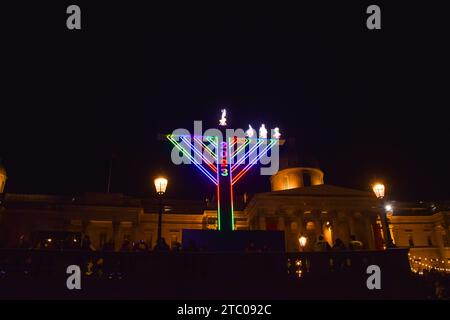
[[294, 226], [310, 225]]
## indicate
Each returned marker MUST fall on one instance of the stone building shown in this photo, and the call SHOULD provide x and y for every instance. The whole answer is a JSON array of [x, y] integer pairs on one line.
[[300, 204], [425, 229], [314, 210]]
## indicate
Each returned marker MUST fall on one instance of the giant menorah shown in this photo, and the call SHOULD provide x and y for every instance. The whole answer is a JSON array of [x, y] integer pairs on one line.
[[224, 161]]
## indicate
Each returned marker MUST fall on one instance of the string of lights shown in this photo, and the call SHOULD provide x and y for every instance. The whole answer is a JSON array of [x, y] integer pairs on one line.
[[417, 260]]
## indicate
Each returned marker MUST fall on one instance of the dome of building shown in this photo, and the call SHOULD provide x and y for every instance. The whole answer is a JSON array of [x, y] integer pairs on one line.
[[297, 169], [296, 177]]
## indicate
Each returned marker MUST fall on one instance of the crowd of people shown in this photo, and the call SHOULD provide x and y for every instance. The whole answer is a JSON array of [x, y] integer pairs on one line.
[[435, 285], [322, 245], [98, 265], [74, 243]]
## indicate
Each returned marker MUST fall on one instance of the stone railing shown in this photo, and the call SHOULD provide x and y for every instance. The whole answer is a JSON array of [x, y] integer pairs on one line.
[[40, 274]]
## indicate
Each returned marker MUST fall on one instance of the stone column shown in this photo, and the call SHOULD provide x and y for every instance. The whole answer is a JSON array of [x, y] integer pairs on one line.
[[439, 231], [281, 224], [369, 231], [391, 231], [134, 231], [84, 227], [351, 224], [301, 224], [335, 227], [262, 223], [115, 234], [317, 224]]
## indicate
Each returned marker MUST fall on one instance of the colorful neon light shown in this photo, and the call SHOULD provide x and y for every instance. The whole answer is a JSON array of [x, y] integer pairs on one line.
[[200, 154], [248, 166], [241, 147], [231, 194], [249, 152], [218, 194], [212, 153], [194, 161], [213, 141]]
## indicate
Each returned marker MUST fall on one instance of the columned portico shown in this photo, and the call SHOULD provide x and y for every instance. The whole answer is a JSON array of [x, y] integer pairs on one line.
[[330, 211]]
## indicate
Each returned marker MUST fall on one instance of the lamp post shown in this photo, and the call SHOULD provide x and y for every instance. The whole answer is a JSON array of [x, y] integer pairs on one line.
[[379, 190], [160, 185], [302, 241]]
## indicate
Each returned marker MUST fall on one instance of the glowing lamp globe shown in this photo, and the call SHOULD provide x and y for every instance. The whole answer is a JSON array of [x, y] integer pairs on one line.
[[302, 240], [161, 185], [378, 189]]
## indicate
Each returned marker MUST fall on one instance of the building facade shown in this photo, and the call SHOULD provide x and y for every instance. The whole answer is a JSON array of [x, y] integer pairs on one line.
[[300, 204]]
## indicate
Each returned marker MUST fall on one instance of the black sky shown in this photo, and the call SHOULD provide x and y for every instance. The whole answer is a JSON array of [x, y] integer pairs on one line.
[[364, 103]]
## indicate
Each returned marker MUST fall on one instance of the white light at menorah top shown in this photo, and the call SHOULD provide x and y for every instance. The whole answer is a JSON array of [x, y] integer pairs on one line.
[[224, 171], [250, 131], [276, 134], [263, 132], [223, 119]]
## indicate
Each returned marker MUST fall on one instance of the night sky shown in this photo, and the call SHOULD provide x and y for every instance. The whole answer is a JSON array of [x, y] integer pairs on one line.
[[365, 104]]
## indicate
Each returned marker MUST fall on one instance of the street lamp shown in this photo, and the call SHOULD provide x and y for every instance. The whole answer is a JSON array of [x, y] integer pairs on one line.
[[161, 186], [302, 241], [379, 190]]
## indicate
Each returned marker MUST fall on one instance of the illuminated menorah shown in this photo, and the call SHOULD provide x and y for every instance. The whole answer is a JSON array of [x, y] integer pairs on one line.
[[224, 162]]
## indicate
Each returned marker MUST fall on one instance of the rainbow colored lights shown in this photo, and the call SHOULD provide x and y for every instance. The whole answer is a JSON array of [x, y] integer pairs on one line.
[[224, 164], [192, 159], [253, 161]]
